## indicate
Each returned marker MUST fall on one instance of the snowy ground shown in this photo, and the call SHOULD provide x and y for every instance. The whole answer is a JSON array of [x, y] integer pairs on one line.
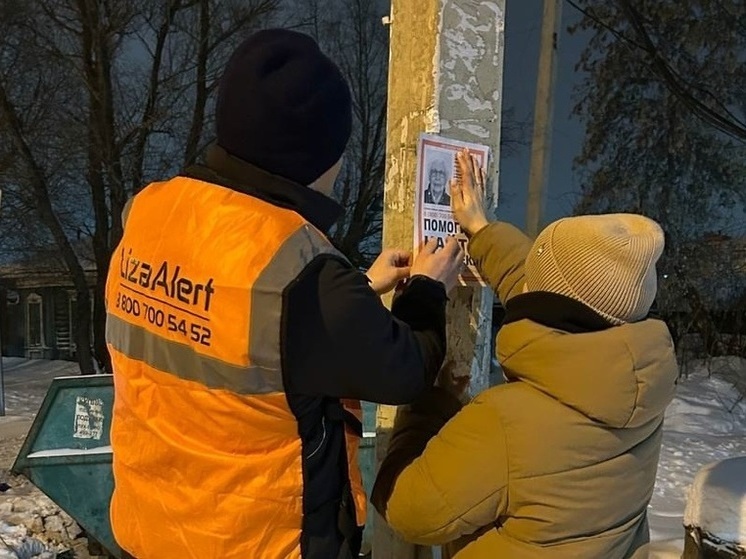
[[705, 423], [26, 383], [30, 524]]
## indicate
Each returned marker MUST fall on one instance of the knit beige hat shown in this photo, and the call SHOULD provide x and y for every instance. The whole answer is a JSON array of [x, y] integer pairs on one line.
[[606, 262]]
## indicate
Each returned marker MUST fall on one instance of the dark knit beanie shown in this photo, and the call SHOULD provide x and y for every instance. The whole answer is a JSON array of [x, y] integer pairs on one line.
[[284, 106]]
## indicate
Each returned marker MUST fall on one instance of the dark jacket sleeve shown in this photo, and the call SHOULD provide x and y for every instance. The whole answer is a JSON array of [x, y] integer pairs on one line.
[[340, 341]]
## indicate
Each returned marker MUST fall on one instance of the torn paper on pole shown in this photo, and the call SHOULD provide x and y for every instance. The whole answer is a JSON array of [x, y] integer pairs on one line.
[[436, 166]]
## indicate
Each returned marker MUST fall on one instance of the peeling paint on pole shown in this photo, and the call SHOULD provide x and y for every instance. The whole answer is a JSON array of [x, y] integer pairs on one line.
[[445, 77], [471, 74], [470, 85]]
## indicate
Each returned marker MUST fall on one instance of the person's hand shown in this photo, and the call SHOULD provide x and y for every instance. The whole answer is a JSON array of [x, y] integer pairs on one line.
[[442, 265], [468, 195], [391, 267], [456, 385]]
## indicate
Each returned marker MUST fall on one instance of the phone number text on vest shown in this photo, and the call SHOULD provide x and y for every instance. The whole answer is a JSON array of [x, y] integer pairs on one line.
[[149, 288], [133, 306]]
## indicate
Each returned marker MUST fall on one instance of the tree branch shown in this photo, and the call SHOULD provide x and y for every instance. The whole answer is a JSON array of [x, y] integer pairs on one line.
[[148, 114], [201, 89]]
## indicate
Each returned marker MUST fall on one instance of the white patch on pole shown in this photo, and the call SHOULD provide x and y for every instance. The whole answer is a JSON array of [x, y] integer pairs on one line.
[[471, 49], [89, 418]]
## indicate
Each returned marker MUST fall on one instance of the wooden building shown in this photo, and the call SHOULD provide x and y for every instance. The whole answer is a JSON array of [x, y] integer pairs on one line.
[[37, 307]]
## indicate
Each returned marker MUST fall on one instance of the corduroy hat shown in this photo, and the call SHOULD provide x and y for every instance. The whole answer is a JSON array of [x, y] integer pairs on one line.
[[284, 106], [607, 262]]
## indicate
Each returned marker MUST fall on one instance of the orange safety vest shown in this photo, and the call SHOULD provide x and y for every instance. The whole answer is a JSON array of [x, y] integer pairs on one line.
[[206, 452]]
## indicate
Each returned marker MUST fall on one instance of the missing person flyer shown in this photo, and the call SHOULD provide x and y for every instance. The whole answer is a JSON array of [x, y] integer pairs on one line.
[[436, 166]]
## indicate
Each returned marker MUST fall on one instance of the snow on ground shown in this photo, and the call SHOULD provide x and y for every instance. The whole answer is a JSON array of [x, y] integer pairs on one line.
[[705, 423], [27, 381], [31, 525]]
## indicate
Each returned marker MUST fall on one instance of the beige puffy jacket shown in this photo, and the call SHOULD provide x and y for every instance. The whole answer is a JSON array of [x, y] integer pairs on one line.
[[559, 462]]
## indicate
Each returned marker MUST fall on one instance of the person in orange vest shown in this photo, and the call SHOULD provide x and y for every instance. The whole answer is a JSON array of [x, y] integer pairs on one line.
[[236, 329]]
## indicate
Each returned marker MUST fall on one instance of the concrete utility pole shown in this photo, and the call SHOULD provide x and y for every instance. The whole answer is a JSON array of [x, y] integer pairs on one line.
[[541, 144], [445, 77]]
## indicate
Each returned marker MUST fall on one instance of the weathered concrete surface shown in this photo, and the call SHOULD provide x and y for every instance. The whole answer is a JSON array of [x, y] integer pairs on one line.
[[469, 105], [445, 77]]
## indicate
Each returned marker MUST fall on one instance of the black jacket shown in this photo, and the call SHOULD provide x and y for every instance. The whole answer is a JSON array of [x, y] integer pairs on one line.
[[338, 341], [445, 199]]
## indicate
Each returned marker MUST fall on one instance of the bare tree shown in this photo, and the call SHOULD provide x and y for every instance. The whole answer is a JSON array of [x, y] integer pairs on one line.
[[351, 33], [97, 97]]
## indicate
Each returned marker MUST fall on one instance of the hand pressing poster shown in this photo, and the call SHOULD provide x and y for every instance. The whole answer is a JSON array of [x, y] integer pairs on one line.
[[436, 166]]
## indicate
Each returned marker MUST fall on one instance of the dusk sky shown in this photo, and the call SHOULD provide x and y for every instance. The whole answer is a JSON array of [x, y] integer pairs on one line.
[[523, 26]]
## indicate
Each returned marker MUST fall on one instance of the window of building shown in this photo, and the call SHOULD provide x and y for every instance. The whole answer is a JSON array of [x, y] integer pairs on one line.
[[34, 321], [73, 318]]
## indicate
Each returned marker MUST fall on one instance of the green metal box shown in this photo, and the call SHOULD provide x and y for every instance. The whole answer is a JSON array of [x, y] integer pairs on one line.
[[67, 453]]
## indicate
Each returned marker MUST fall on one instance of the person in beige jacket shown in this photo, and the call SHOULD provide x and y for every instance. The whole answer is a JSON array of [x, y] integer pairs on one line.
[[560, 461]]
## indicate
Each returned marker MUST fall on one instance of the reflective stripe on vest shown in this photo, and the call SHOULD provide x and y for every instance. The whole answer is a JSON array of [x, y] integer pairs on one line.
[[194, 300], [135, 336]]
